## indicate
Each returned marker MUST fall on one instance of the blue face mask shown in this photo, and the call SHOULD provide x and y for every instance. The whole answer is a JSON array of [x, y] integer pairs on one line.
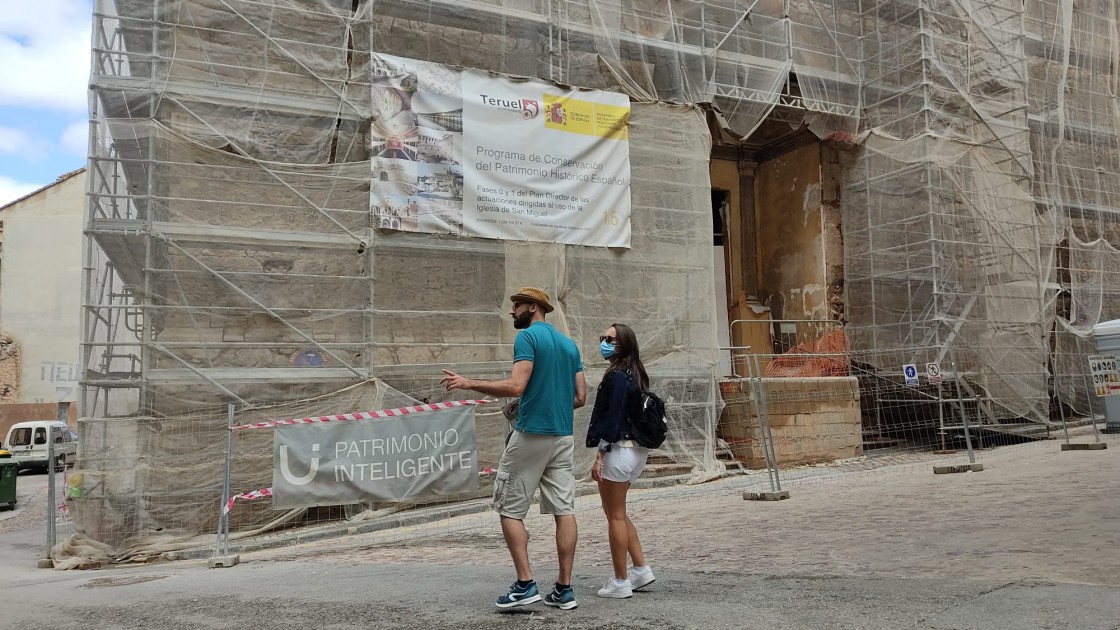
[[606, 349]]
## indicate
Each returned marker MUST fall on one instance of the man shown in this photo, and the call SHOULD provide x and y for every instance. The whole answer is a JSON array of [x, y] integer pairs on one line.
[[548, 377]]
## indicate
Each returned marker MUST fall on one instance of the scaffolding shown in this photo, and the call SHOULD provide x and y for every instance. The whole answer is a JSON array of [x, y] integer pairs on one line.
[[974, 217], [231, 256], [946, 260], [229, 197], [209, 113]]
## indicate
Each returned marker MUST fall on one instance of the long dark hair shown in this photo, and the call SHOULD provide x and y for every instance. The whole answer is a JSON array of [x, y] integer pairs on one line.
[[626, 357]]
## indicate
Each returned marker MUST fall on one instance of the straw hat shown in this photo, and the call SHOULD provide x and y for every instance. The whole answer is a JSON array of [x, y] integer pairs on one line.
[[532, 294]]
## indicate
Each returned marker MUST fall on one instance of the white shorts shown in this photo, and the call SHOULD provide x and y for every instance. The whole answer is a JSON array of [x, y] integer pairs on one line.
[[624, 464]]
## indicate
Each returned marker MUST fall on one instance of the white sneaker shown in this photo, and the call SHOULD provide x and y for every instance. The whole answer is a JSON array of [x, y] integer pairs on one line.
[[641, 577], [617, 589]]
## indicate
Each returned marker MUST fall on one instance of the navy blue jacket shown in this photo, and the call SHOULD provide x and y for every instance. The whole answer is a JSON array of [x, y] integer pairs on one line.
[[610, 421]]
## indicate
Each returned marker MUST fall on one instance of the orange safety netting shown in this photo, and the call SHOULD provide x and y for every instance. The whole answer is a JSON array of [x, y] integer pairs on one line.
[[831, 358]]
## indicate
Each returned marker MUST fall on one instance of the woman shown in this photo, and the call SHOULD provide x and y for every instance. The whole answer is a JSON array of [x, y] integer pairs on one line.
[[619, 460]]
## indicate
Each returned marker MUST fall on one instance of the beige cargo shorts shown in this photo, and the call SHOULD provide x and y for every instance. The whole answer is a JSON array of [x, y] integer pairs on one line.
[[531, 461]]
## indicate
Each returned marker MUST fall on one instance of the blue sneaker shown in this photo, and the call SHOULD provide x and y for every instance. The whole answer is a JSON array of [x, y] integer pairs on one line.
[[562, 599], [519, 596]]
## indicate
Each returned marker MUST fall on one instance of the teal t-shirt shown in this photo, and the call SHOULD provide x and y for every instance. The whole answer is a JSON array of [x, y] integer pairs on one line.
[[546, 406]]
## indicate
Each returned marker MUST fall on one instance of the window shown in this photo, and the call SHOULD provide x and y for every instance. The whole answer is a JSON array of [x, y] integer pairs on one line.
[[40, 436], [21, 437]]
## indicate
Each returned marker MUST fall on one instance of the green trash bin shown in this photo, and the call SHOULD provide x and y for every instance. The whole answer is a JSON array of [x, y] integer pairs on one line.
[[9, 469]]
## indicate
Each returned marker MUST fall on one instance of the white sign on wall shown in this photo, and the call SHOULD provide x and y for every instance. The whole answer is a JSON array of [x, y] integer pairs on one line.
[[472, 153]]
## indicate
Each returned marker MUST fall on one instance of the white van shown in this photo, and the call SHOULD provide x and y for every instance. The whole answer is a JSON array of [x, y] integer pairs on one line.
[[27, 442]]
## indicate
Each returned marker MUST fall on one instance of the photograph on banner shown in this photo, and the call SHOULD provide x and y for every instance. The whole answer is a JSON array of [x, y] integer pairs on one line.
[[430, 453], [472, 153]]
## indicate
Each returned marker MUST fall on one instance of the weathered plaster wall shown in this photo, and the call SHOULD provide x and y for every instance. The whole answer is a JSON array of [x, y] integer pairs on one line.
[[833, 163], [40, 288], [792, 277]]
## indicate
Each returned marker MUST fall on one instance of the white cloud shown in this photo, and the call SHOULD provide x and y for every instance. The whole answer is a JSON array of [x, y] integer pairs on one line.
[[19, 142], [45, 53], [13, 140], [75, 138], [10, 189]]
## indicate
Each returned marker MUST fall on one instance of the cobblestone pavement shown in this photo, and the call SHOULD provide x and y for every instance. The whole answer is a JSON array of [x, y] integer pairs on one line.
[[30, 509], [1034, 513]]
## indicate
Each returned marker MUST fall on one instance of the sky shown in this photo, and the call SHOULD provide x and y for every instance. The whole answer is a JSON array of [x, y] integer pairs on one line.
[[44, 78]]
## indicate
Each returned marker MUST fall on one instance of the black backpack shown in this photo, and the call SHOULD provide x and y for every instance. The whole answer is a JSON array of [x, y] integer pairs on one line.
[[648, 425]]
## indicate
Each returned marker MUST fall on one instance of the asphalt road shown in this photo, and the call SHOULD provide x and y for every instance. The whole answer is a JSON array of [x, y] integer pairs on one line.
[[305, 595]]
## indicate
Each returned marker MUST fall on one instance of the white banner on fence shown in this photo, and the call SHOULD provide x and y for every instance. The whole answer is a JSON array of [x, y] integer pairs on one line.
[[340, 463], [460, 151]]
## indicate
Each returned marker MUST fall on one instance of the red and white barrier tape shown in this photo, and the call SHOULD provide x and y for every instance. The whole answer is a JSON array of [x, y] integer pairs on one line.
[[247, 496], [363, 415]]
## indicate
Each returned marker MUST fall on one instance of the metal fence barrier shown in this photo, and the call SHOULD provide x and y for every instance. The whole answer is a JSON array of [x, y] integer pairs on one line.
[[801, 406]]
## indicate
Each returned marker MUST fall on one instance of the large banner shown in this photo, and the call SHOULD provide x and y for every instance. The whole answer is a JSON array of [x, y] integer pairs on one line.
[[473, 153], [340, 463]]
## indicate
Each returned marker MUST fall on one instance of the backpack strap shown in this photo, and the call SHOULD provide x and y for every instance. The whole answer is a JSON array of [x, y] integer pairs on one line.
[[637, 384]]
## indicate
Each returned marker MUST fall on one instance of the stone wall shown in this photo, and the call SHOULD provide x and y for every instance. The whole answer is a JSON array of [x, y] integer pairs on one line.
[[811, 419], [9, 369]]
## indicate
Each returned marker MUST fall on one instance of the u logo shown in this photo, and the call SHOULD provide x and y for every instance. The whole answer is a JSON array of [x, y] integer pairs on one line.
[[292, 478]]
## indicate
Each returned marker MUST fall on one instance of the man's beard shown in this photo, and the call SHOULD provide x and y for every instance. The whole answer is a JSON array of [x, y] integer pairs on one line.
[[523, 320]]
